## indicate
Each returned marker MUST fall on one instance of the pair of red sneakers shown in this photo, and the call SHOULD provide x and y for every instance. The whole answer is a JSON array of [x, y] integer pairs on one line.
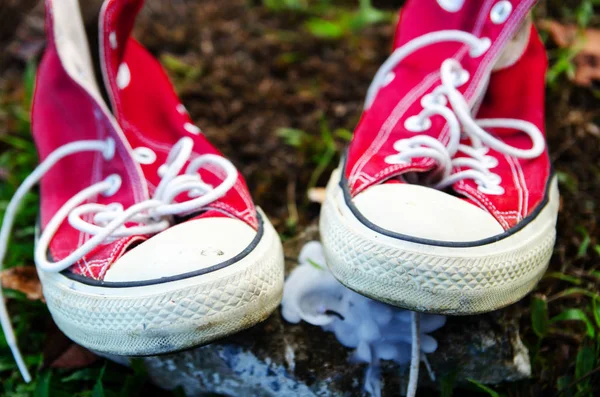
[[150, 242]]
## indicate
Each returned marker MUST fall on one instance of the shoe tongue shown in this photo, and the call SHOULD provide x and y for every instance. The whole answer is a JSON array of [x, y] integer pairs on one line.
[[418, 18], [117, 18], [515, 47], [90, 9], [478, 18]]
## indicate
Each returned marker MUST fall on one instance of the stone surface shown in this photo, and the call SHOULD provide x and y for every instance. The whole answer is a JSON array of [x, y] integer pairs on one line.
[[280, 359]]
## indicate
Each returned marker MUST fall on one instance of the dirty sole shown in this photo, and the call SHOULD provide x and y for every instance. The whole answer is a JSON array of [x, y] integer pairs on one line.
[[431, 278], [167, 316]]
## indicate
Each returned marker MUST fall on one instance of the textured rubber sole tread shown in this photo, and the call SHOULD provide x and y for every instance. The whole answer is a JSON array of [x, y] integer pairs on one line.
[[457, 285], [159, 323]]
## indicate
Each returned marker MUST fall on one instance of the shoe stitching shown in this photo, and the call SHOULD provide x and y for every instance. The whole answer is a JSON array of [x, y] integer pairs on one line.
[[480, 198], [517, 182], [525, 188], [390, 122], [364, 159], [504, 35], [158, 146]]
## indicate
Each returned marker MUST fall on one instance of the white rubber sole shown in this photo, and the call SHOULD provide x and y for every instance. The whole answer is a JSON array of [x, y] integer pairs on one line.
[[430, 278], [171, 316]]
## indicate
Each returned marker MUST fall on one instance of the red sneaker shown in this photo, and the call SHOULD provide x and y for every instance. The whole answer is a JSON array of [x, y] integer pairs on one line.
[[434, 209], [112, 179]]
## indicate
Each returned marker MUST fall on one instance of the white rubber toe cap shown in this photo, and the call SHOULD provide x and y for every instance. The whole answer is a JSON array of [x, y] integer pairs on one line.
[[183, 248], [425, 213]]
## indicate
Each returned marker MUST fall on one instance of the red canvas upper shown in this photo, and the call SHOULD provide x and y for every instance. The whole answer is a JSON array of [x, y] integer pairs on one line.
[[515, 92], [148, 114], [148, 109], [63, 112]]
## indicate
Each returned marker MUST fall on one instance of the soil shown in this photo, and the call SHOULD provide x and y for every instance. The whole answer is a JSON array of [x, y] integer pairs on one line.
[[259, 72]]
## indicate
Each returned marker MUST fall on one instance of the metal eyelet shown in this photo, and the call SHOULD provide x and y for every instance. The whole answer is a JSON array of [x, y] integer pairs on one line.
[[123, 76], [501, 11], [388, 79], [112, 38], [192, 129], [115, 183], [451, 5], [144, 155]]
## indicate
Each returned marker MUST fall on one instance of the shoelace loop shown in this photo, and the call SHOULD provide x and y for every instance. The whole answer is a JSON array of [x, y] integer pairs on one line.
[[477, 164], [108, 221], [151, 216]]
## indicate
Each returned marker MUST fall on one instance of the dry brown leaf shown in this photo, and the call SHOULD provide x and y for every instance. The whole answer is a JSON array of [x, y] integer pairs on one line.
[[74, 357], [586, 42], [61, 352], [23, 279]]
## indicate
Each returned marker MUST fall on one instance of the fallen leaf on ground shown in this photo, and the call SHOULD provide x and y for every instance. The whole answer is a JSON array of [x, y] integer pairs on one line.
[[586, 42], [23, 279], [61, 352], [74, 356]]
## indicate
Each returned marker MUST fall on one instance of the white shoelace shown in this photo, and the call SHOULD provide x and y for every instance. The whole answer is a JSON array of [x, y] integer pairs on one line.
[[477, 165], [415, 355], [108, 221]]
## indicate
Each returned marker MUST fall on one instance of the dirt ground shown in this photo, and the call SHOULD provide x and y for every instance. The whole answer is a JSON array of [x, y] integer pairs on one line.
[[251, 76]]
